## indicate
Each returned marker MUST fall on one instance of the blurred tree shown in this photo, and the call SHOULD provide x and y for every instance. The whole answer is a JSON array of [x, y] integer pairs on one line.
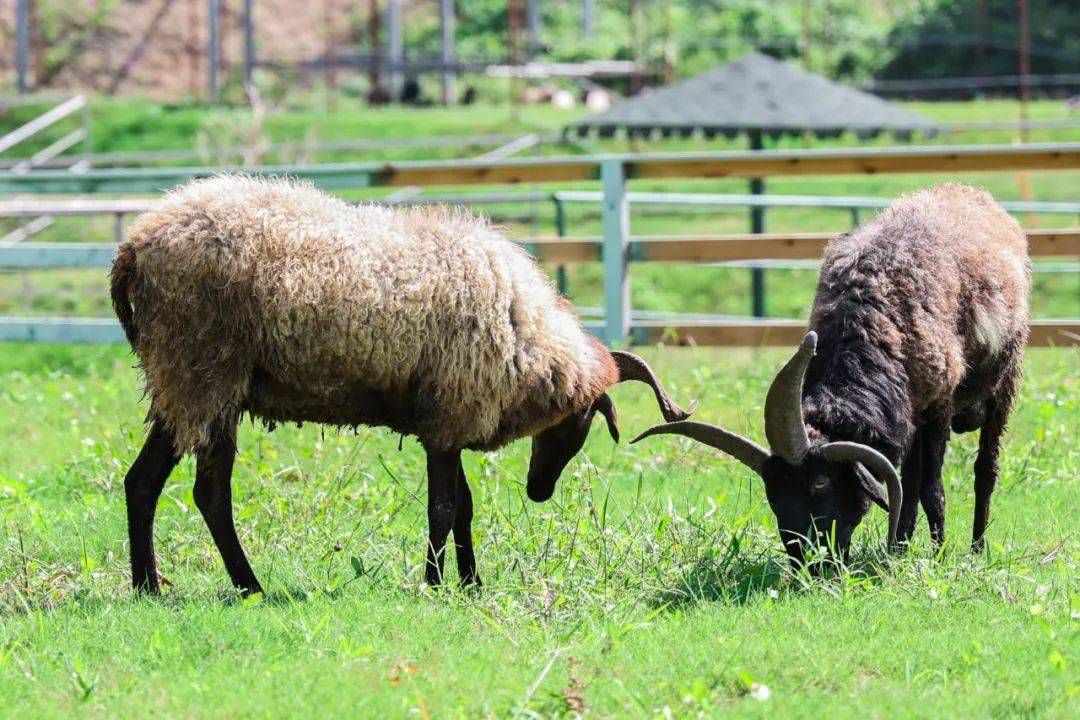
[[951, 38]]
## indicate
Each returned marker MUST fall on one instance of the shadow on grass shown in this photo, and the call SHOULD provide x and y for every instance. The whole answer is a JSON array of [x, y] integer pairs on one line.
[[739, 577], [734, 580]]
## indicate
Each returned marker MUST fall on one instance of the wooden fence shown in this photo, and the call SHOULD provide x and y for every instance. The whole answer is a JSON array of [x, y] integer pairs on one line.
[[616, 250]]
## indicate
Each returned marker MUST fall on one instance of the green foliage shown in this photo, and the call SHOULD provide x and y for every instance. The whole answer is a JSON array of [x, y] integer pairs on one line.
[[652, 585], [942, 39], [66, 30]]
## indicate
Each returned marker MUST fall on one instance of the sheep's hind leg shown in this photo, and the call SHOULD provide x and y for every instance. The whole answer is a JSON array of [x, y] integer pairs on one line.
[[932, 491], [213, 497], [142, 488], [442, 471], [911, 477], [466, 558], [986, 469]]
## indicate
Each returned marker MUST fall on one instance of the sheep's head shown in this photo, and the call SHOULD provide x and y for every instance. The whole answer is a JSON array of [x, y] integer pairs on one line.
[[819, 492], [554, 447]]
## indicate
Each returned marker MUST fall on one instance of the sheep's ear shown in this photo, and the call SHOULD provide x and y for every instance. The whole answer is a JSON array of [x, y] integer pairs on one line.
[[871, 487], [605, 407]]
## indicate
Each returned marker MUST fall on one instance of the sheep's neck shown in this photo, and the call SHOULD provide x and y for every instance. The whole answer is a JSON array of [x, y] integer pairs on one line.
[[858, 391]]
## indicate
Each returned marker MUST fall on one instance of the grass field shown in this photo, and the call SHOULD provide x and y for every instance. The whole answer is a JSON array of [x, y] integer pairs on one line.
[[652, 585]]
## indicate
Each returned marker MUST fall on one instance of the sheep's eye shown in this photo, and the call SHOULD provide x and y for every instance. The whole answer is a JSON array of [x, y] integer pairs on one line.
[[820, 485]]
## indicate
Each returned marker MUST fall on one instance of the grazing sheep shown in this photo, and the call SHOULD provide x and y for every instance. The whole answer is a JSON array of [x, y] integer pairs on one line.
[[922, 319], [268, 297]]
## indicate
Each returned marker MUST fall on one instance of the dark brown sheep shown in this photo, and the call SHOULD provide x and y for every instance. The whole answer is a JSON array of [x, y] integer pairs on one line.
[[918, 326]]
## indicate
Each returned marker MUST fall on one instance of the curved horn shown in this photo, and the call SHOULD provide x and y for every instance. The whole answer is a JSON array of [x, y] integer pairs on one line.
[[783, 405], [876, 463], [631, 367], [746, 451]]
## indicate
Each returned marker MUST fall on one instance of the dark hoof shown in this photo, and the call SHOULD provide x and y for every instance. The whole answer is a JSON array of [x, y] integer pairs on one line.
[[146, 588], [250, 591]]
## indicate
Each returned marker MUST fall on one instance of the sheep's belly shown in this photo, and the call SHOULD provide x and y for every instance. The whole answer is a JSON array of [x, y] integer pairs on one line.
[[275, 401]]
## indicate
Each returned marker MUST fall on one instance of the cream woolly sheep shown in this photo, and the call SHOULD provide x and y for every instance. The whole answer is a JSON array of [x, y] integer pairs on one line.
[[268, 297], [922, 315]]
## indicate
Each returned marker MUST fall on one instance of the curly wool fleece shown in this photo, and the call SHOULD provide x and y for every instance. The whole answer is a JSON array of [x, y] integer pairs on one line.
[[925, 306], [270, 297]]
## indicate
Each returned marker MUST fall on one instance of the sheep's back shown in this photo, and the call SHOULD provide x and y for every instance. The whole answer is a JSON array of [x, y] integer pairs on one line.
[[940, 280]]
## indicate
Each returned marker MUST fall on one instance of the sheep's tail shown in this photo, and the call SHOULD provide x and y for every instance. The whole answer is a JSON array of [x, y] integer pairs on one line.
[[123, 271]]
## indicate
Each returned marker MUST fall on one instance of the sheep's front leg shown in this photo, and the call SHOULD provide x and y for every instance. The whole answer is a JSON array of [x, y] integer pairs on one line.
[[911, 474], [442, 470], [935, 439], [466, 558], [142, 488], [213, 497]]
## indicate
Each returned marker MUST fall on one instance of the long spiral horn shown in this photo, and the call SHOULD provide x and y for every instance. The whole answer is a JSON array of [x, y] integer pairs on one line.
[[746, 451], [783, 405]]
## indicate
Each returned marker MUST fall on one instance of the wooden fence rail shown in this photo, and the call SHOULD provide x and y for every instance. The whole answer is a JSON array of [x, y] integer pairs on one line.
[[754, 164], [617, 249], [751, 333], [570, 251]]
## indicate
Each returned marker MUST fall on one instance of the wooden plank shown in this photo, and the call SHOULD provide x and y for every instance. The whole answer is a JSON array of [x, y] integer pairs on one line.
[[802, 246], [37, 207], [1051, 243], [861, 161], [472, 173], [771, 333], [942, 159], [92, 255], [569, 251], [61, 111], [766, 246], [1054, 333], [788, 333], [563, 251], [768, 333]]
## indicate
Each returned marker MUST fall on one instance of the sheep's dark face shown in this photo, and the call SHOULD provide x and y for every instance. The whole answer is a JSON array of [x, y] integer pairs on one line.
[[819, 491], [553, 448], [819, 503]]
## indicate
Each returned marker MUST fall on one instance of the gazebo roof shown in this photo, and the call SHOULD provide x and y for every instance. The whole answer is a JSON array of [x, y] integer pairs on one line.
[[754, 93]]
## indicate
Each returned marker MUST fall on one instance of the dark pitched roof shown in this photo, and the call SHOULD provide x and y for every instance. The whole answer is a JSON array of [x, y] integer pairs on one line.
[[756, 92]]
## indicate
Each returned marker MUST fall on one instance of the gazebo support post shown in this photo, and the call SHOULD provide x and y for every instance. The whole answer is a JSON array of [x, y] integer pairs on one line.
[[757, 226], [560, 229]]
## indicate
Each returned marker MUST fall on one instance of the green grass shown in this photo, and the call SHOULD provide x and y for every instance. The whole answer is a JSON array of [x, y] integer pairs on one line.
[[652, 585]]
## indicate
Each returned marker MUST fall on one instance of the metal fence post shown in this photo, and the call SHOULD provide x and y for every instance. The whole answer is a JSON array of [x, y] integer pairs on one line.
[[854, 216], [446, 28], [616, 251], [534, 21], [249, 41], [757, 226], [395, 50], [212, 49], [22, 46], [560, 230], [587, 18]]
